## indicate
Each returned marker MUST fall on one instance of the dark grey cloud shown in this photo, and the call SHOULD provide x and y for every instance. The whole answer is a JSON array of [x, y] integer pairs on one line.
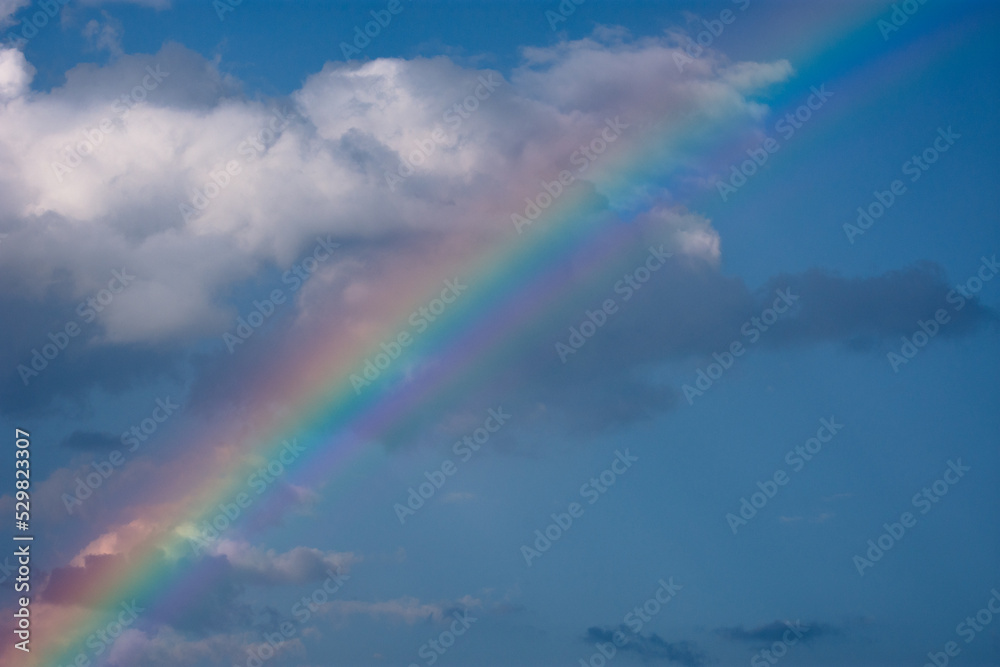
[[776, 631], [650, 647], [79, 369], [684, 314], [861, 313]]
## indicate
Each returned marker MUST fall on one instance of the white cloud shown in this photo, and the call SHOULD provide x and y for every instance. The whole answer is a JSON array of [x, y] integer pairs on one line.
[[105, 34], [8, 8], [297, 566], [16, 74], [168, 647], [323, 173], [117, 541], [407, 609]]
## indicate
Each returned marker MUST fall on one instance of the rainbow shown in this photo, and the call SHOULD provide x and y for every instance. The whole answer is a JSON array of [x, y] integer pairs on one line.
[[510, 289]]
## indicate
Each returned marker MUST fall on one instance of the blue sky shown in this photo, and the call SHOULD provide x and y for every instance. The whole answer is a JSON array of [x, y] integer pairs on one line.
[[637, 389]]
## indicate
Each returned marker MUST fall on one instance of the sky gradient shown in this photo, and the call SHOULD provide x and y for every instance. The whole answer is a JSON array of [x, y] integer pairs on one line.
[[503, 333]]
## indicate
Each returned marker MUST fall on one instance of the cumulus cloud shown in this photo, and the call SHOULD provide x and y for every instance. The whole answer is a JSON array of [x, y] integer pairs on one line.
[[119, 541], [324, 172], [596, 75], [243, 563], [299, 565], [94, 173], [16, 74]]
